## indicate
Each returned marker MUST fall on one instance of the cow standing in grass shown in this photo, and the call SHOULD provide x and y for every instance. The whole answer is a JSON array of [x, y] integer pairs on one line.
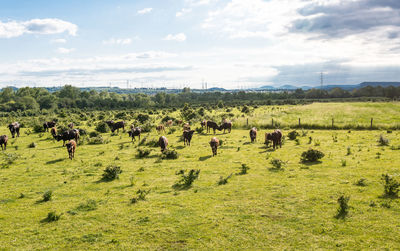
[[160, 128], [49, 124], [116, 125], [135, 132], [275, 137], [168, 123], [68, 135], [253, 134], [226, 126], [163, 143], [186, 127], [214, 143], [3, 141], [53, 132], [71, 147], [212, 125], [14, 129], [187, 137], [203, 123]]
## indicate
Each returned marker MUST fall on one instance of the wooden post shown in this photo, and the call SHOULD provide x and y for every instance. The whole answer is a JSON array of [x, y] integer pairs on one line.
[[299, 122], [272, 122], [333, 122], [372, 120]]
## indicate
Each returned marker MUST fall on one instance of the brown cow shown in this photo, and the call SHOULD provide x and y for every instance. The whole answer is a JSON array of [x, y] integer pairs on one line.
[[3, 141], [275, 137], [160, 128], [53, 131], [14, 129], [187, 137], [163, 143], [214, 143], [135, 132], [226, 126], [213, 125], [253, 134], [186, 127], [49, 124], [203, 123], [168, 123], [71, 147]]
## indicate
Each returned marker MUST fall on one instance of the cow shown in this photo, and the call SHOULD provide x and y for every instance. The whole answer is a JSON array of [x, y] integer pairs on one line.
[[3, 141], [68, 135], [179, 122], [187, 136], [226, 126], [275, 137], [49, 124], [168, 123], [160, 128], [163, 143], [14, 129], [53, 131], [71, 147], [253, 134], [203, 123], [116, 125], [214, 143], [135, 132], [213, 125], [186, 127], [71, 125]]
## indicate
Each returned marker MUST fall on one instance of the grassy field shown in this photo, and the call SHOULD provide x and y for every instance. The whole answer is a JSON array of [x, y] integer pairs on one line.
[[289, 208]]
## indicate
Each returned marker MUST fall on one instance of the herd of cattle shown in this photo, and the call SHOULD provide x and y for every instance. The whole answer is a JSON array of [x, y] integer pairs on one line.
[[72, 135]]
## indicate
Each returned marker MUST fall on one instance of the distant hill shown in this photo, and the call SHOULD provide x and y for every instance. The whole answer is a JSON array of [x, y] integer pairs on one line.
[[383, 84]]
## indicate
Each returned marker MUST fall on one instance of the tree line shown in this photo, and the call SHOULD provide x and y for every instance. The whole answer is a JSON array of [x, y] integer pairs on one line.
[[35, 99]]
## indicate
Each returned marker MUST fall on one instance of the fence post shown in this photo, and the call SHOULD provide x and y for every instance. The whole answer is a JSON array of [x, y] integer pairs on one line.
[[299, 122], [272, 122], [333, 122], [372, 120]]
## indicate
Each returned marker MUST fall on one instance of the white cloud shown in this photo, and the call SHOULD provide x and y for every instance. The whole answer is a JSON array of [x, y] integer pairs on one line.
[[58, 41], [144, 11], [183, 12], [199, 2], [118, 41], [180, 37], [63, 50], [36, 26]]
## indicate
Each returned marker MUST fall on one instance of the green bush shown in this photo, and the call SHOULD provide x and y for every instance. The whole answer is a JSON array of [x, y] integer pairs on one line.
[[390, 186], [186, 180], [243, 169], [223, 181], [343, 209], [383, 141], [47, 195], [89, 205], [94, 134], [277, 164], [169, 154], [142, 153], [140, 195], [96, 140], [111, 173], [52, 216], [102, 127], [32, 145], [37, 128], [312, 155], [293, 135]]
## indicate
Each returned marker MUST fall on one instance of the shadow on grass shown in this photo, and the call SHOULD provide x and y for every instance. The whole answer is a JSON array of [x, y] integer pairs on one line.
[[55, 161], [309, 163], [247, 143], [389, 196], [179, 147], [274, 169], [205, 158], [181, 187]]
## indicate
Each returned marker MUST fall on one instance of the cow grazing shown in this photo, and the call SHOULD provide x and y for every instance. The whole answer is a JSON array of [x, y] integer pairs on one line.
[[14, 129], [226, 126], [135, 132], [203, 123], [160, 128], [275, 137], [71, 125], [49, 124], [3, 141], [168, 123], [116, 125], [213, 125], [68, 135], [187, 137], [214, 143], [186, 127], [71, 147], [253, 134], [163, 143], [53, 131]]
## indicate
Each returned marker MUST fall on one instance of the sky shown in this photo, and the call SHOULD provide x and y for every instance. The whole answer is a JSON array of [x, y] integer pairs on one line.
[[185, 43]]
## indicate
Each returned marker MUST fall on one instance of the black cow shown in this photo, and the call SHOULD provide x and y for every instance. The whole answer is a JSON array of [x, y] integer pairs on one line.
[[275, 137], [135, 132], [253, 134], [213, 125], [116, 125], [226, 126], [3, 141], [68, 135], [49, 124], [187, 137], [14, 129]]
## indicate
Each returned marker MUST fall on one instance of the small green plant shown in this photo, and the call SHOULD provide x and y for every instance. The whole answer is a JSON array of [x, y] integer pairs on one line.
[[343, 209], [391, 186], [140, 195], [169, 154], [111, 173], [277, 164], [312, 155], [317, 142], [243, 169], [361, 182], [94, 134], [47, 195], [334, 138], [132, 181], [52, 216], [199, 130], [96, 140], [348, 150], [383, 141], [293, 135], [89, 205], [186, 180], [309, 140], [223, 181], [344, 162], [297, 141], [142, 153]]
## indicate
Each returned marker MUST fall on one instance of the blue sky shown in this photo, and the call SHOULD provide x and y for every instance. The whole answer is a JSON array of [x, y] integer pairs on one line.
[[176, 43]]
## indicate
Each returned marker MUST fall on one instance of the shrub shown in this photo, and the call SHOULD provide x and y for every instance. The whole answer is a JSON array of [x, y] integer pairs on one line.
[[147, 127], [348, 150], [343, 209], [47, 195], [169, 154], [245, 109], [223, 181], [111, 173], [96, 140], [142, 118], [171, 130], [390, 185], [293, 135], [9, 159], [32, 145], [142, 153], [52, 216], [186, 180], [199, 130], [89, 205], [361, 182], [277, 164], [383, 141], [344, 162], [140, 195], [37, 128], [309, 140], [148, 142], [102, 127], [94, 134], [243, 169], [312, 155]]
